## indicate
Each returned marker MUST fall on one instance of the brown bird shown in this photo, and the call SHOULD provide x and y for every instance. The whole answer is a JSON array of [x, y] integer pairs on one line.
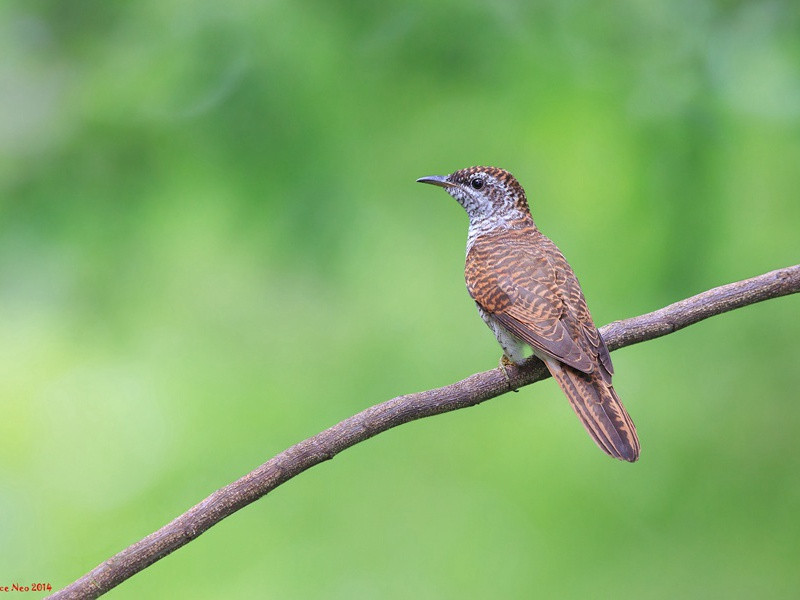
[[528, 295]]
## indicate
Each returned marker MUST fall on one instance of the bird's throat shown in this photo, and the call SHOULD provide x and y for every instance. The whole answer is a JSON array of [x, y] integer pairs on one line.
[[487, 225]]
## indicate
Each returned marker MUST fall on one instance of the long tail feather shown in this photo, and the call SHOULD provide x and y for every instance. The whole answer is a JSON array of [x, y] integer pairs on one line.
[[599, 409]]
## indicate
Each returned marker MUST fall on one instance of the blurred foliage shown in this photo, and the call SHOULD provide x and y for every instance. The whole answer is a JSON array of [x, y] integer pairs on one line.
[[212, 246]]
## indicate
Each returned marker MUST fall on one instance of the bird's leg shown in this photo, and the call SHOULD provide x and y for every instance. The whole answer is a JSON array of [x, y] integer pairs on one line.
[[507, 362]]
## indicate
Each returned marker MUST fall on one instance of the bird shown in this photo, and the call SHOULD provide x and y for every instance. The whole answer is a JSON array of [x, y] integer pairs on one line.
[[529, 296]]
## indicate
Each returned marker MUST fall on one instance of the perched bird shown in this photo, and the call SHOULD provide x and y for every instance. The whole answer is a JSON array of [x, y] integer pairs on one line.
[[528, 295]]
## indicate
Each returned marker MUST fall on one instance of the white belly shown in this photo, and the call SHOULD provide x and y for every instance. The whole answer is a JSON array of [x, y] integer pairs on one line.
[[513, 347]]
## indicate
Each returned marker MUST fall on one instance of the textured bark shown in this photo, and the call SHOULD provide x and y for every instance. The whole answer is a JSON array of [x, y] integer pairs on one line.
[[376, 419]]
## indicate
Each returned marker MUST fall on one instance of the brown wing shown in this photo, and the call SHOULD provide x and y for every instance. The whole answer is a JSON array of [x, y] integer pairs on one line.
[[579, 320], [521, 278]]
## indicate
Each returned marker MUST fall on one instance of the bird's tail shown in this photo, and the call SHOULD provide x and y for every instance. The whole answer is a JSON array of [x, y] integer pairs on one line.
[[599, 409]]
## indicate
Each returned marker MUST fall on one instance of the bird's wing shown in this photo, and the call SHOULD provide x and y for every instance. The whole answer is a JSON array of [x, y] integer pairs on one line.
[[532, 291], [579, 319]]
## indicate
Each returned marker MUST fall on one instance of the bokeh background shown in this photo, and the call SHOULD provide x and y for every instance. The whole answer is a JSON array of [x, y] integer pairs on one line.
[[212, 247]]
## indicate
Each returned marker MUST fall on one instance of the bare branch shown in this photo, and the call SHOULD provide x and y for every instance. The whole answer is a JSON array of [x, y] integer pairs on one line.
[[376, 419]]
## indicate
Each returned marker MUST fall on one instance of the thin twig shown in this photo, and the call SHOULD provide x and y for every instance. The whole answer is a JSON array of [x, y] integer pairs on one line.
[[376, 419]]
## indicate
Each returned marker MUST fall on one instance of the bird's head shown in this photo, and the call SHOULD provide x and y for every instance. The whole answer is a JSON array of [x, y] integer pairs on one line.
[[484, 192]]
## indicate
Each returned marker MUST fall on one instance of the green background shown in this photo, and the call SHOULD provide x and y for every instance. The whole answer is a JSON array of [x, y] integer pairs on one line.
[[212, 247]]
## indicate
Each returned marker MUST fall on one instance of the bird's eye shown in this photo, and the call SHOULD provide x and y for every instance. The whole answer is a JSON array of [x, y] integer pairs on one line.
[[477, 183]]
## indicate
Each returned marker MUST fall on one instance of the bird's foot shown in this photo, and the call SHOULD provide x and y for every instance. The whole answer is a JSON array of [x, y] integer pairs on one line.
[[507, 362]]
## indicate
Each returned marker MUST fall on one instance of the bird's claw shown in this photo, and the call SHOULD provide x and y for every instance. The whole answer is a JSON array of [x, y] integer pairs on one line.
[[507, 362]]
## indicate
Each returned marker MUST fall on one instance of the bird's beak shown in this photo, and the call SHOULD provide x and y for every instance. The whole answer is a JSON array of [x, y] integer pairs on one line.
[[439, 180]]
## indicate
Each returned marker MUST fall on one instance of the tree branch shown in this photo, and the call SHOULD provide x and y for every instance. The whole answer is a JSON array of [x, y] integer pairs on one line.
[[381, 417]]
